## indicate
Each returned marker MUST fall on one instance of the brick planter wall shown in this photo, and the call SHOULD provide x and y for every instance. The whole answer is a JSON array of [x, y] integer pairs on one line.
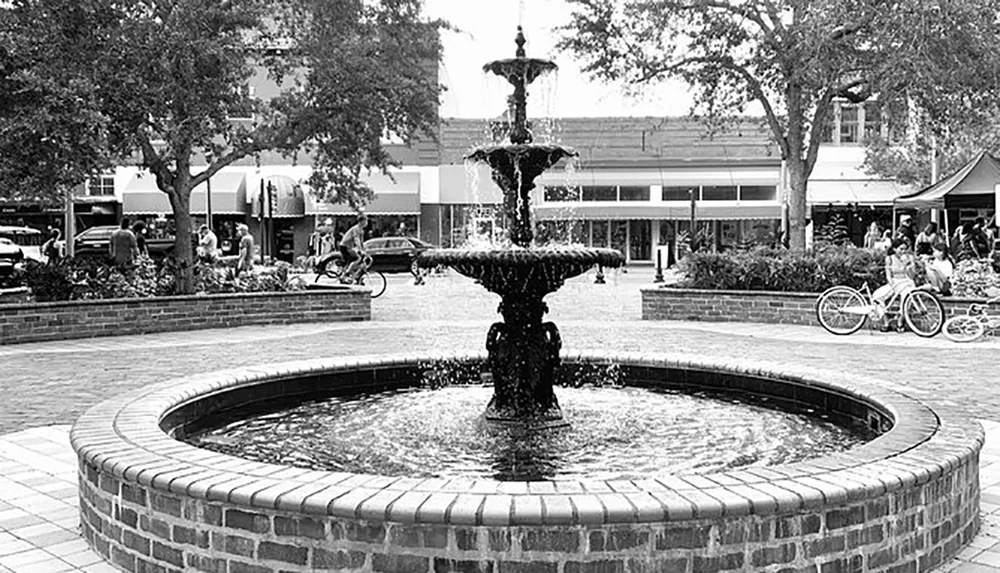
[[35, 322], [904, 503], [748, 306]]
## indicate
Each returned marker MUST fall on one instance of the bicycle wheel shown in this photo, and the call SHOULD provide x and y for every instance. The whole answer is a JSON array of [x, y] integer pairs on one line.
[[923, 313], [841, 310], [375, 281], [333, 270], [963, 328]]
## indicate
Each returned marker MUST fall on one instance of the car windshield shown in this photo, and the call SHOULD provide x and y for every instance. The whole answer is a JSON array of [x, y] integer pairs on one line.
[[96, 233], [420, 243], [22, 236]]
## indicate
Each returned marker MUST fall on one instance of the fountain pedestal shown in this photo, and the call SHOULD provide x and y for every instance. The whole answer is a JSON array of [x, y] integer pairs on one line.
[[523, 355]]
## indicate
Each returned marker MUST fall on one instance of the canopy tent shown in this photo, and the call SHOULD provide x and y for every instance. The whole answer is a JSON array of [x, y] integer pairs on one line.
[[971, 186]]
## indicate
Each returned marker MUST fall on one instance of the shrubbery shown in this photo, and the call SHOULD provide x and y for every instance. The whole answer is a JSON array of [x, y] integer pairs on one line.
[[765, 269], [89, 279]]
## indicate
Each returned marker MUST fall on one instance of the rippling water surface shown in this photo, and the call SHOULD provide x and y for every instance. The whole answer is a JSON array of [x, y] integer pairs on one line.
[[615, 433]]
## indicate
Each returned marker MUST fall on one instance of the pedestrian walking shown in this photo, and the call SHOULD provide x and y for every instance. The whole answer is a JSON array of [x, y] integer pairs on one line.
[[245, 261], [123, 247]]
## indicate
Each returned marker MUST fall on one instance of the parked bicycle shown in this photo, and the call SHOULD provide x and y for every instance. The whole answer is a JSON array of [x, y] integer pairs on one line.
[[973, 324], [843, 310], [333, 268]]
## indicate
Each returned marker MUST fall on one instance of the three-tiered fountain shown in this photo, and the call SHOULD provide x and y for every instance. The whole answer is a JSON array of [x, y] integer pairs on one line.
[[523, 350]]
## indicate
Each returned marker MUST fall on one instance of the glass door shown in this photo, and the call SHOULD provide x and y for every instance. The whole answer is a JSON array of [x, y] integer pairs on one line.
[[619, 236], [640, 240]]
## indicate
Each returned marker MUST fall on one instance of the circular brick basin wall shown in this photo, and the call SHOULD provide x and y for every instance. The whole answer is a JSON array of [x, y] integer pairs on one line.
[[905, 501]]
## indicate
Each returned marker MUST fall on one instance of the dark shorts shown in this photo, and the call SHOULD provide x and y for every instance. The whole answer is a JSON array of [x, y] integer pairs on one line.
[[349, 254]]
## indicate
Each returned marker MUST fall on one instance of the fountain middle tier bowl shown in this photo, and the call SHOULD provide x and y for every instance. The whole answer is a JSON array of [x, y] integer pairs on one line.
[[520, 69], [524, 270], [529, 159]]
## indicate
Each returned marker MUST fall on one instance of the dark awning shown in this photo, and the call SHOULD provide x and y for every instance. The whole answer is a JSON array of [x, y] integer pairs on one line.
[[143, 197], [973, 184], [287, 198]]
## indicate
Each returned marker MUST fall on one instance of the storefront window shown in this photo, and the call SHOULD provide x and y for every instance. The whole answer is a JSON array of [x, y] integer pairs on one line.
[[718, 193], [679, 193], [562, 193], [600, 193], [758, 193], [633, 193], [619, 236]]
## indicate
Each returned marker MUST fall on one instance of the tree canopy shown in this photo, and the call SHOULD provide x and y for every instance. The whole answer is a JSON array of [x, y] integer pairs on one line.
[[793, 59], [163, 82]]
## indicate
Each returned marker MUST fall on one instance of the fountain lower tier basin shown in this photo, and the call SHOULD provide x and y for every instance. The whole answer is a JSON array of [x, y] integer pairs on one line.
[[909, 499], [537, 271]]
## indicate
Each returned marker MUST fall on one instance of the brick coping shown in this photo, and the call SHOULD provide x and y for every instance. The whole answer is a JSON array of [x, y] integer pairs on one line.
[[135, 302], [122, 437], [954, 300]]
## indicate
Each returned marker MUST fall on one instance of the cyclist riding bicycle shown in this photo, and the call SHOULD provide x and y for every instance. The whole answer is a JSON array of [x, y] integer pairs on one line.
[[352, 248]]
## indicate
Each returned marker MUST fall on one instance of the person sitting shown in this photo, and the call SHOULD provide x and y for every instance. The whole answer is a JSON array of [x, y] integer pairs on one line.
[[940, 269], [926, 239], [352, 247], [900, 270]]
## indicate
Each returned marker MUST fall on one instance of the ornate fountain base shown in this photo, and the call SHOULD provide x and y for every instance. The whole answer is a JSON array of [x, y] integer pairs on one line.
[[523, 356]]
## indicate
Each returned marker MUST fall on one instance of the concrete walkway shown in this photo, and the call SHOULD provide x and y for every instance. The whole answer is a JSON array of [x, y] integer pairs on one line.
[[47, 385]]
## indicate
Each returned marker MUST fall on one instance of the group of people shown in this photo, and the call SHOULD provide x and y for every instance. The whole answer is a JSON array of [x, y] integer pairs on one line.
[[971, 241], [208, 248]]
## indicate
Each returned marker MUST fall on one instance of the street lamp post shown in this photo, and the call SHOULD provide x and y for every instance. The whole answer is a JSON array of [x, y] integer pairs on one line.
[[208, 193]]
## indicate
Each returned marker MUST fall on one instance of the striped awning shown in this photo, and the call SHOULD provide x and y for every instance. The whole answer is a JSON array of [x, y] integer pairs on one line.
[[704, 211], [142, 197]]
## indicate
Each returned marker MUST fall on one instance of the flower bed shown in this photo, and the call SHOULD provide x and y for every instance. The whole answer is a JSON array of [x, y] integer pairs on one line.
[[40, 321]]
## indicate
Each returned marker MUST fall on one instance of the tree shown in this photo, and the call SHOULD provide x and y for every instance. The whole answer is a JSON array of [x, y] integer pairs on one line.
[[52, 133], [794, 58], [171, 74]]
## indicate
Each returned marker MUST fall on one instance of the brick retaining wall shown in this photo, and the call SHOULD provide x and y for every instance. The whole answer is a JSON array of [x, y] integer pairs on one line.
[[748, 306], [35, 322]]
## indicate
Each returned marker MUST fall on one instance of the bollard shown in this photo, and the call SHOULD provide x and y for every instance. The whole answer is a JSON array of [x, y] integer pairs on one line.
[[599, 279], [659, 267]]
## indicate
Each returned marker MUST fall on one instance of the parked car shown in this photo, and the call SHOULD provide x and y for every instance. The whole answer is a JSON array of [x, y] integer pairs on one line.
[[96, 241], [11, 261], [393, 254], [29, 240]]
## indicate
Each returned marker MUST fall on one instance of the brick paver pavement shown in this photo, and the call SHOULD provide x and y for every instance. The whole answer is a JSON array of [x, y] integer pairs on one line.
[[52, 383]]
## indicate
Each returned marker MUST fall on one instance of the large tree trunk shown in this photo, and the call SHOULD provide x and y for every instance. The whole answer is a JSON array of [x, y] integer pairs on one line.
[[797, 209], [180, 200]]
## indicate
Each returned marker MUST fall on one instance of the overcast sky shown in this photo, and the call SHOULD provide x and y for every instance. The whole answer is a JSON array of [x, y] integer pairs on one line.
[[488, 30]]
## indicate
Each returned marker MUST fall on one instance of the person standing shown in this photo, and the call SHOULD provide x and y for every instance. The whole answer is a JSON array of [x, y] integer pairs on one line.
[[123, 247], [51, 250], [872, 236], [245, 261], [139, 229], [208, 244], [905, 230]]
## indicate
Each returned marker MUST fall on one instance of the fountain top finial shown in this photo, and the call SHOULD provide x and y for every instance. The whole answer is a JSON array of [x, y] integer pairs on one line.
[[519, 40]]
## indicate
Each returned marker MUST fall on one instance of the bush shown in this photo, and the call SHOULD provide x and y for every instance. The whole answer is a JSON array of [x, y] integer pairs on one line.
[[765, 269], [91, 279]]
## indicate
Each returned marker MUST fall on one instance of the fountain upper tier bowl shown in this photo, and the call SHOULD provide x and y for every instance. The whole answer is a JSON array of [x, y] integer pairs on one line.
[[538, 271], [520, 68]]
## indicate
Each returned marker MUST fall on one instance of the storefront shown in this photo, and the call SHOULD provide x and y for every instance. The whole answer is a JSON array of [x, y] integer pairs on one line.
[[224, 193], [278, 218], [394, 211], [855, 204]]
